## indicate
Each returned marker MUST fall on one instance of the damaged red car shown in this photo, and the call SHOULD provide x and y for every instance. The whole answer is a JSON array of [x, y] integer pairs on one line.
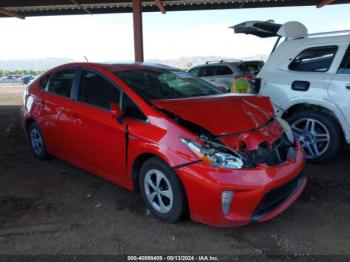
[[223, 159]]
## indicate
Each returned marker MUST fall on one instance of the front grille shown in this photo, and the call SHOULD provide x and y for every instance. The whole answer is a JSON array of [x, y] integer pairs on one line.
[[277, 196], [274, 156]]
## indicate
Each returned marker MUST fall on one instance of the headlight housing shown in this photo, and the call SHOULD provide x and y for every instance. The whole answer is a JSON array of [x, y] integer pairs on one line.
[[214, 156]]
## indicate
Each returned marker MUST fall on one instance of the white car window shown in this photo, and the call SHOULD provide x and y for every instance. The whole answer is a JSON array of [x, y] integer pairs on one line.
[[314, 59]]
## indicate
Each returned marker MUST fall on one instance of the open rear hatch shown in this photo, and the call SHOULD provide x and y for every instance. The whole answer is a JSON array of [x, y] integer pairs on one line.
[[262, 29], [269, 28]]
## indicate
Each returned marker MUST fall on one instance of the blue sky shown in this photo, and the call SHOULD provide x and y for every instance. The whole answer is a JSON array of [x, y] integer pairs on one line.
[[173, 35]]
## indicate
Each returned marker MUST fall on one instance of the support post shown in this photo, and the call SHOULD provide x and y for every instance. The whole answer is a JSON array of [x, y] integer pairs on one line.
[[323, 3], [138, 38], [10, 13]]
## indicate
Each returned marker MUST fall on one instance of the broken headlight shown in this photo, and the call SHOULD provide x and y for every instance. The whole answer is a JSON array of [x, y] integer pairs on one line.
[[211, 154]]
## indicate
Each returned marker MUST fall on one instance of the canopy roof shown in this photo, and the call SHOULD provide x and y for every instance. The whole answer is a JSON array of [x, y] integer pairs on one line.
[[23, 8]]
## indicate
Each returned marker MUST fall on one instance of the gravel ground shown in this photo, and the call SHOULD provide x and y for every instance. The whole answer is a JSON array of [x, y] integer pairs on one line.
[[54, 208]]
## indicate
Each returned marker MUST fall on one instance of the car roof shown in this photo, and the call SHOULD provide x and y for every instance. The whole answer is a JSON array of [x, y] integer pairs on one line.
[[310, 39], [118, 66], [217, 64]]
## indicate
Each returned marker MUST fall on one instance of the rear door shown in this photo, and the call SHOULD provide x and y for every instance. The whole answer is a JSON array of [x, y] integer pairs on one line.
[[56, 104], [302, 75], [339, 89], [99, 142]]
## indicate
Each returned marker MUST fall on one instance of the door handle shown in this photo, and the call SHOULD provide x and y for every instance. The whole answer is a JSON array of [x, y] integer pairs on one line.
[[300, 85], [348, 87]]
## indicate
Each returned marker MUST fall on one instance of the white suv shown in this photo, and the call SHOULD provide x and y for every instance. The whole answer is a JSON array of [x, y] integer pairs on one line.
[[307, 78]]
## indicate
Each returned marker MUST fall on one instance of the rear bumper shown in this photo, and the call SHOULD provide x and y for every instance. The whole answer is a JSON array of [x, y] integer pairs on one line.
[[23, 119], [204, 186]]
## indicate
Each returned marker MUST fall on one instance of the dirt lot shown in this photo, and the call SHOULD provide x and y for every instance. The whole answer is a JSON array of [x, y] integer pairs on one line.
[[54, 208]]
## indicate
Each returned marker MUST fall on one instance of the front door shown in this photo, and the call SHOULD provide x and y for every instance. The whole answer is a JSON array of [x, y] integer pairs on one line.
[[99, 143], [339, 89]]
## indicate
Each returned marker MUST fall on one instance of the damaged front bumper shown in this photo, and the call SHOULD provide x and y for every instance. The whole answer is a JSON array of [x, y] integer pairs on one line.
[[259, 193]]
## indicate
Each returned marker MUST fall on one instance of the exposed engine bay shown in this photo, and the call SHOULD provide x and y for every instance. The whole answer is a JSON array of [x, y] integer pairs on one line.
[[215, 151]]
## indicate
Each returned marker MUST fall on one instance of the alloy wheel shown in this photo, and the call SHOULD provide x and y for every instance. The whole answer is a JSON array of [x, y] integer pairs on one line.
[[158, 191], [313, 135], [37, 142]]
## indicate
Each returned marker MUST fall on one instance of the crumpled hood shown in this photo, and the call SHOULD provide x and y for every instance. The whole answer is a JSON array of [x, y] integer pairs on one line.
[[224, 114]]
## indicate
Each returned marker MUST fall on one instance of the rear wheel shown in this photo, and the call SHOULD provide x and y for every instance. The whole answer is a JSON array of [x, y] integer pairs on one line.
[[162, 190], [318, 133], [37, 142]]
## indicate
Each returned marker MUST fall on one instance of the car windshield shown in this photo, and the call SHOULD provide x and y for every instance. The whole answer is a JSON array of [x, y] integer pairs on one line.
[[166, 84]]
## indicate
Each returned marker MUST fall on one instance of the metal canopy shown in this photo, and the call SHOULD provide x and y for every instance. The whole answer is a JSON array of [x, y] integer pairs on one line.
[[24, 8], [69, 7]]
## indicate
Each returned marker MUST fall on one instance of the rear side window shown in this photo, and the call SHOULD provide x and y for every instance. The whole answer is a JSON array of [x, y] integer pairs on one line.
[[223, 70], [61, 82], [315, 59], [206, 71], [194, 72], [43, 82], [344, 67], [96, 90]]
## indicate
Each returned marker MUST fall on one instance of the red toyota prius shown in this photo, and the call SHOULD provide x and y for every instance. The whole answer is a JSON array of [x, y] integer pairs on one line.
[[224, 159]]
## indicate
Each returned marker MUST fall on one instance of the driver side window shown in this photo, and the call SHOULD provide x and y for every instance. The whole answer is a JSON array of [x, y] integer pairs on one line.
[[131, 109]]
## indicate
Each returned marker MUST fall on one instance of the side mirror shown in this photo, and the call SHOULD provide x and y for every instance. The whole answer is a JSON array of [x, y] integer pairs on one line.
[[117, 113]]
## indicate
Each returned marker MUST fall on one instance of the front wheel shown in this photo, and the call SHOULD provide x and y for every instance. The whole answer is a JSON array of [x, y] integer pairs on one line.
[[162, 190], [318, 133]]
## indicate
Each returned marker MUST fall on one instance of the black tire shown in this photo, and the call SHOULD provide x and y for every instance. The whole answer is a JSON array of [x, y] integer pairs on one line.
[[179, 204], [39, 149], [332, 127]]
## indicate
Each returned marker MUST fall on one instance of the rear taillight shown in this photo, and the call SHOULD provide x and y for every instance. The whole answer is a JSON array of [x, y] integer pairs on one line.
[[249, 78], [257, 85]]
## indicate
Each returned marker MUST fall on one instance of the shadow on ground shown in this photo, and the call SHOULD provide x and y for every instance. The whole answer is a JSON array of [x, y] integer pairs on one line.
[[54, 208]]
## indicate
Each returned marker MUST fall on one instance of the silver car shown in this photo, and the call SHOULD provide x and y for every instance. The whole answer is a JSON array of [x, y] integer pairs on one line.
[[222, 73]]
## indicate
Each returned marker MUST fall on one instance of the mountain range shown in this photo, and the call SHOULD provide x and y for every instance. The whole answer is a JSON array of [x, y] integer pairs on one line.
[[47, 63]]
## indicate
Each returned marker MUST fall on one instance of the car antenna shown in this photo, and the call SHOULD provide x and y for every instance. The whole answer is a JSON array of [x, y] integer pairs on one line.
[[87, 61]]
